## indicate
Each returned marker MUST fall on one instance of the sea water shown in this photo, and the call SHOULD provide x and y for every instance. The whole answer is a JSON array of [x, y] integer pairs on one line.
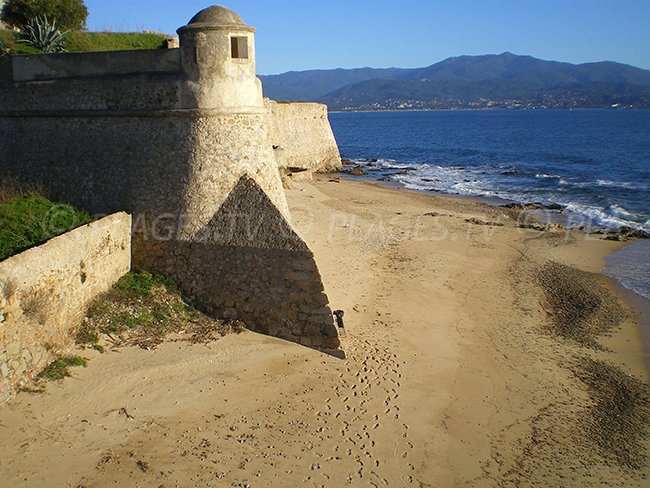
[[591, 167]]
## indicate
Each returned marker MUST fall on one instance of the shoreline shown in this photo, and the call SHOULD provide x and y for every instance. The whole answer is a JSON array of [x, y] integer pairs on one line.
[[484, 109], [638, 302], [635, 300], [479, 245], [457, 372], [641, 305], [547, 215]]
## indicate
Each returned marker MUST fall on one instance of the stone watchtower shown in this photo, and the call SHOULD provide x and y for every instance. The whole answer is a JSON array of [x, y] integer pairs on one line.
[[180, 139], [237, 254], [230, 122], [218, 56]]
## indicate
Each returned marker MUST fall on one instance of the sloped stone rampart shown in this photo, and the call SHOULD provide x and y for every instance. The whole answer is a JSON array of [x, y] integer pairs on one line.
[[248, 264]]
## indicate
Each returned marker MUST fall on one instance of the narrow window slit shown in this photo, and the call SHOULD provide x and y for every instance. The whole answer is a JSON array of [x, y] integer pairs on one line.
[[239, 47]]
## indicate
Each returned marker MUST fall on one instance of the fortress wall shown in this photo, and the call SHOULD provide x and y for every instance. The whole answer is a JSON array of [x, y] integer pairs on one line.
[[102, 164], [227, 147], [30, 68], [247, 263], [181, 140], [102, 95], [302, 136], [172, 171], [45, 290]]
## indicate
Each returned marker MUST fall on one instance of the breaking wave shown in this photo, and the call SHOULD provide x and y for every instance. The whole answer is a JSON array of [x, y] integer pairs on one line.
[[582, 202]]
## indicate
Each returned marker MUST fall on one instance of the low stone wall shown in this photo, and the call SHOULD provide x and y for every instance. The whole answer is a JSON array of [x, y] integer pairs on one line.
[[45, 290], [302, 137], [32, 68]]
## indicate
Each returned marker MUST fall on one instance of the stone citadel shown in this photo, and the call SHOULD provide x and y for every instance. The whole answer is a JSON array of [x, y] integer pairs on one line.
[[184, 141]]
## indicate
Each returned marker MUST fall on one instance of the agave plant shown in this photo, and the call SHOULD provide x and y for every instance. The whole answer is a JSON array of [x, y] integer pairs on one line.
[[42, 34], [4, 50]]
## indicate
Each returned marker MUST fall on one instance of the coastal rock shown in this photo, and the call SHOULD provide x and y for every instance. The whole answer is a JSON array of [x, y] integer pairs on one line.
[[356, 170], [534, 226], [476, 221], [534, 206], [623, 234]]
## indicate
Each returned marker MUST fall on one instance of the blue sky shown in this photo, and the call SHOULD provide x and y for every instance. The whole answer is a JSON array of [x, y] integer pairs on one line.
[[310, 34]]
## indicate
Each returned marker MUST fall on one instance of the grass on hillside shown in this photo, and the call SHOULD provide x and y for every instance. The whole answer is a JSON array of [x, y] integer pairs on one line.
[[92, 41], [31, 219], [113, 41]]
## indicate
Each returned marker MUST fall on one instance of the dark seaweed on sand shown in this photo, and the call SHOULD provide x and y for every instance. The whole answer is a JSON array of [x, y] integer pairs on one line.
[[581, 308], [619, 416], [617, 419]]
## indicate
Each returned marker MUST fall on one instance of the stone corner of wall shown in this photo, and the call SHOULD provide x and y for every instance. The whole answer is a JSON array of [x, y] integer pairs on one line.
[[41, 308], [302, 137]]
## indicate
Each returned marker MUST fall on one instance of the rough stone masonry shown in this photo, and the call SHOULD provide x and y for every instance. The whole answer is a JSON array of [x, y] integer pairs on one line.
[[45, 291], [180, 139]]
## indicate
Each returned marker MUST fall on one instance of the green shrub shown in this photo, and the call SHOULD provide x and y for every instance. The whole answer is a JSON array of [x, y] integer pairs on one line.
[[141, 283], [59, 368], [43, 35], [33, 219], [69, 14], [142, 310], [84, 336], [4, 49]]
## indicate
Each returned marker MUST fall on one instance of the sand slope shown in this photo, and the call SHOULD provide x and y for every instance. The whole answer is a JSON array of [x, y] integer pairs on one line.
[[454, 376]]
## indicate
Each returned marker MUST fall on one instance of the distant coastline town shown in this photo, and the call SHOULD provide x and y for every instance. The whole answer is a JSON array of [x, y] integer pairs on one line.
[[503, 81]]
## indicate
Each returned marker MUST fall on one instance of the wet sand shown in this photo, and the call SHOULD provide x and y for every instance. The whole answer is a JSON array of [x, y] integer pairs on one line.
[[466, 366]]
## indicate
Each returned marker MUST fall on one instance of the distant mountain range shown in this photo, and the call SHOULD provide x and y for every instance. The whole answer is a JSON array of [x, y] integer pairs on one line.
[[490, 81]]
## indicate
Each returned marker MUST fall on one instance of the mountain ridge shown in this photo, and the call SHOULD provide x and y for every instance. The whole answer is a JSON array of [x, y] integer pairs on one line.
[[503, 80]]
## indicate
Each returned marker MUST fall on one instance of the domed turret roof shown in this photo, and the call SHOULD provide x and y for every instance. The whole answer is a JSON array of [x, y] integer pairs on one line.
[[217, 15], [216, 18]]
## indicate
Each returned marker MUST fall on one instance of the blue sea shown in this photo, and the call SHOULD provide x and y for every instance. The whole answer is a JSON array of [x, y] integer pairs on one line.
[[591, 166]]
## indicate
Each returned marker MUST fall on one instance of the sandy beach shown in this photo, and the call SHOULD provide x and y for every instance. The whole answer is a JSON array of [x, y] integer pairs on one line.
[[478, 353]]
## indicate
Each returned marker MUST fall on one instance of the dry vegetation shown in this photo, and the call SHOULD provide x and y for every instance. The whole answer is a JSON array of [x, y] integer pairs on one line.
[[12, 188], [144, 310], [615, 423]]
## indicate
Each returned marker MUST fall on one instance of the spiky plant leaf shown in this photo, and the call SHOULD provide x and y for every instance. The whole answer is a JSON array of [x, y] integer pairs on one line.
[[44, 35], [5, 50]]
